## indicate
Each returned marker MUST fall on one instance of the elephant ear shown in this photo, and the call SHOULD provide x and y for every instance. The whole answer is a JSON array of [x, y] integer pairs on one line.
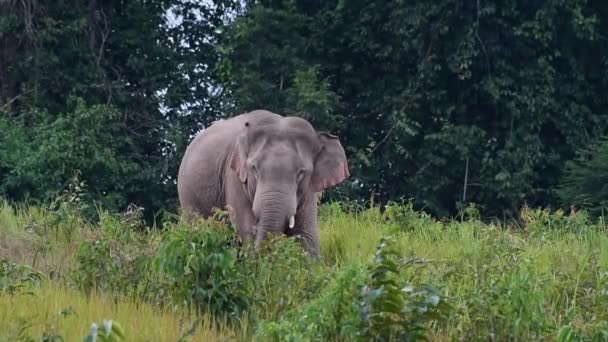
[[238, 159], [331, 166]]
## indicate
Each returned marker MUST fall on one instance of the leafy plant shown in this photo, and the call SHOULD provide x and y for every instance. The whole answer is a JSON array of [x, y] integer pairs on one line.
[[111, 332], [567, 334], [119, 259], [363, 303], [68, 209], [545, 221], [405, 217], [15, 278], [332, 315], [197, 269], [585, 179], [279, 276], [390, 310]]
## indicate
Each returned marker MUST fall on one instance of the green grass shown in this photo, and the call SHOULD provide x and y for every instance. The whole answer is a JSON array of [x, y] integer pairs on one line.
[[40, 312], [501, 283]]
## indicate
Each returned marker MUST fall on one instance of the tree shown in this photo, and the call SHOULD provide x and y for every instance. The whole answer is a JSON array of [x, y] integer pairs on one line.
[[443, 101], [585, 179], [91, 140], [144, 84]]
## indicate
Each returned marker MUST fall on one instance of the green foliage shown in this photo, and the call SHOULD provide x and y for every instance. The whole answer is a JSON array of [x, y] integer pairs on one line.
[[194, 268], [91, 140], [68, 210], [363, 304], [111, 332], [332, 315], [391, 311], [15, 278], [404, 217], [197, 268], [566, 334], [428, 99], [541, 222], [204, 270], [117, 261], [279, 277], [546, 279], [585, 179], [145, 86], [524, 304], [426, 94]]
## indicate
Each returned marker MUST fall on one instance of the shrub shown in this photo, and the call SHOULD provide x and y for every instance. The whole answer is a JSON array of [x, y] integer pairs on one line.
[[542, 221], [280, 276], [198, 269], [15, 278], [118, 261], [390, 310], [585, 179], [41, 155], [359, 302], [333, 315]]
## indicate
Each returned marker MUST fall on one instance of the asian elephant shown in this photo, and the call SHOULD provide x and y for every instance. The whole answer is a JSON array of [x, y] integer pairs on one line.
[[266, 170]]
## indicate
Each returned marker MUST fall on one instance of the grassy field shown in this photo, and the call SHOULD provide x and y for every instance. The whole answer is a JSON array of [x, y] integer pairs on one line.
[[55, 309], [395, 273]]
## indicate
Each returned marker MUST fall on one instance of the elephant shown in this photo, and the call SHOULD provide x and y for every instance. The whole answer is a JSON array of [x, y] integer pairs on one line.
[[267, 170]]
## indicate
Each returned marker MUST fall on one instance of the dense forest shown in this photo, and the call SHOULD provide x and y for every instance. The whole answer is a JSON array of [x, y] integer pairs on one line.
[[443, 102]]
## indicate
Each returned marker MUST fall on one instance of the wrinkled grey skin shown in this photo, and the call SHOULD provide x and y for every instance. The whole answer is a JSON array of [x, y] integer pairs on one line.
[[264, 168]]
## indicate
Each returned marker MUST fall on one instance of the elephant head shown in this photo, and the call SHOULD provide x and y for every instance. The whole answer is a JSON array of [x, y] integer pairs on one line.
[[281, 165]]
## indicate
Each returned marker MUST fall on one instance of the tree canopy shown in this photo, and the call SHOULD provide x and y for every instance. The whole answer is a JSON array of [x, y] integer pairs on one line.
[[445, 102]]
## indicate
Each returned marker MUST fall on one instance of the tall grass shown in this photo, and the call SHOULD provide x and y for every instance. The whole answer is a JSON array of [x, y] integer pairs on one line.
[[66, 312], [546, 277]]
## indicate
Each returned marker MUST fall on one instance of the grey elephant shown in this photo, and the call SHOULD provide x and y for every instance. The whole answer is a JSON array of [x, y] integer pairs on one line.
[[266, 170]]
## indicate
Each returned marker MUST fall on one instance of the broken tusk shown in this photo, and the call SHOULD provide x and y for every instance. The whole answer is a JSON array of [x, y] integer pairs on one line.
[[292, 222]]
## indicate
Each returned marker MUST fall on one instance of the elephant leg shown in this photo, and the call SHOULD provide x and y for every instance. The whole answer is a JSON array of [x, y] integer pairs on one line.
[[306, 228]]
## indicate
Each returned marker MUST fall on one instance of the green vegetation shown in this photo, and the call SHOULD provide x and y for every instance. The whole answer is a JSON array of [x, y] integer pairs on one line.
[[55, 310], [443, 102], [585, 179], [385, 274], [447, 103]]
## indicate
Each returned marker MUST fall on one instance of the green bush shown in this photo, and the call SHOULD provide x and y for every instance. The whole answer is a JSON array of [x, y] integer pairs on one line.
[[545, 281], [506, 303], [370, 303], [585, 179], [279, 277], [118, 261], [15, 278], [392, 310], [198, 269], [333, 315], [40, 157], [404, 218], [544, 221]]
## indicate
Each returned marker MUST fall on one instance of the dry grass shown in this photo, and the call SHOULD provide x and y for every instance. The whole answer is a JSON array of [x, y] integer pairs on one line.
[[141, 322]]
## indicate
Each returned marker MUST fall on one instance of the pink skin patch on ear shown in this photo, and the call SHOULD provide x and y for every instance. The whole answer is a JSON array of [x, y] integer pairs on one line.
[[340, 174]]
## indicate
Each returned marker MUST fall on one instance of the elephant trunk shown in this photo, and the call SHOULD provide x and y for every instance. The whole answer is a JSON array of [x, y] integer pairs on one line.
[[276, 214]]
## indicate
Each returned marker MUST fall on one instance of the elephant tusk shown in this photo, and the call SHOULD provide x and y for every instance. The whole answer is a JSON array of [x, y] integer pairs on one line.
[[292, 222]]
